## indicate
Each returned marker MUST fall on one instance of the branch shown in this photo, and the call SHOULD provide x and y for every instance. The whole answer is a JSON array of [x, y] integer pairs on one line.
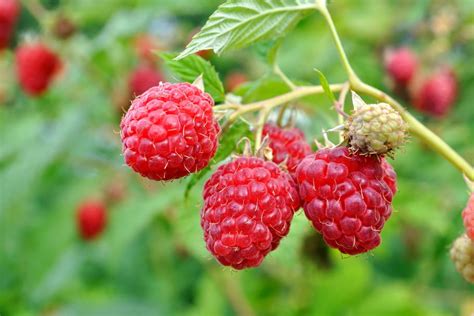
[[416, 128]]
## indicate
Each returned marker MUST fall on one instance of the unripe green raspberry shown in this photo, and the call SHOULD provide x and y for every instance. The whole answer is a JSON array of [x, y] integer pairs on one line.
[[375, 129], [462, 254]]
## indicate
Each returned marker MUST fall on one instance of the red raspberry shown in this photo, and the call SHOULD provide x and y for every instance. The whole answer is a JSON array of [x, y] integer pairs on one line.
[[143, 78], [347, 197], [287, 144], [91, 219], [36, 66], [248, 207], [468, 217], [401, 65], [169, 131], [234, 80], [437, 94], [9, 11]]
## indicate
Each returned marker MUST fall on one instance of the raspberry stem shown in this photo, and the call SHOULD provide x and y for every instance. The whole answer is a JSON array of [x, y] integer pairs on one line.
[[416, 128]]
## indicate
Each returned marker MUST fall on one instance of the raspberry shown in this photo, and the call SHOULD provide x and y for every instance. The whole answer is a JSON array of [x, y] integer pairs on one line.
[[401, 65], [287, 144], [91, 219], [437, 94], [462, 254], [143, 78], [169, 131], [234, 80], [468, 217], [36, 66], [347, 197], [248, 207], [375, 129], [9, 11]]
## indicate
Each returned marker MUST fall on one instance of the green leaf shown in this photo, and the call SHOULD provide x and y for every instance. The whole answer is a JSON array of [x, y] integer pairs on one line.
[[227, 145], [239, 23], [324, 82], [191, 67]]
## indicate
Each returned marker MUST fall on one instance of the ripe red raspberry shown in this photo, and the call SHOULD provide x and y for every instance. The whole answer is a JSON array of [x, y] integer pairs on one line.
[[169, 131], [36, 66], [347, 197], [143, 78], [9, 11], [287, 144], [91, 219], [248, 207], [401, 65], [468, 217], [234, 80], [437, 94]]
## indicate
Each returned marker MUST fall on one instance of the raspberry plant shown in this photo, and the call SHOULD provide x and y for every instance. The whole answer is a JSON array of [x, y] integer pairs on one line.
[[347, 190]]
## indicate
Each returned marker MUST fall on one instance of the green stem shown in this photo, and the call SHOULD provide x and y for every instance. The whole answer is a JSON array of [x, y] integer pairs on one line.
[[271, 103], [416, 128], [340, 49]]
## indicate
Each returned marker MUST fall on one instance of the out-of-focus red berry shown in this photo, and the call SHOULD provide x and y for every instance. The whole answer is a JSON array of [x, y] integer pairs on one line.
[[36, 66], [437, 94], [234, 80], [143, 78], [9, 11], [401, 65], [91, 219]]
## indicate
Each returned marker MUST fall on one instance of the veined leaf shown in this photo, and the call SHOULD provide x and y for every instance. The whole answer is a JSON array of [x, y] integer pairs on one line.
[[239, 23], [191, 67]]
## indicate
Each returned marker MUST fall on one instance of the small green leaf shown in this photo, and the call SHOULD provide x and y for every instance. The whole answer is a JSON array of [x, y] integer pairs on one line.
[[239, 23], [191, 67], [325, 85], [227, 145]]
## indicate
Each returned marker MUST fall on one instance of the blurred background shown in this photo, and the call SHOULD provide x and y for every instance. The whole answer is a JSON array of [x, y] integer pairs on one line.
[[60, 148]]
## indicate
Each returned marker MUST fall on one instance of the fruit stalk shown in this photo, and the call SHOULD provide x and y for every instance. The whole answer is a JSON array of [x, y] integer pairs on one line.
[[415, 127]]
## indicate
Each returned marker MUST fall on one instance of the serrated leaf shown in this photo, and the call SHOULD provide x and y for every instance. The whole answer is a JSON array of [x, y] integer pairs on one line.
[[325, 84], [239, 23], [227, 145], [191, 67]]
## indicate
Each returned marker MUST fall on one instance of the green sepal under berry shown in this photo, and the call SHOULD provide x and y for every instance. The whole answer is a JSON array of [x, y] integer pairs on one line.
[[374, 129]]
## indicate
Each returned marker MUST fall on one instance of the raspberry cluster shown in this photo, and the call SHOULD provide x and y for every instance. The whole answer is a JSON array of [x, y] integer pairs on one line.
[[36, 66], [347, 197], [288, 145], [248, 207], [169, 131], [91, 219], [9, 11], [468, 217]]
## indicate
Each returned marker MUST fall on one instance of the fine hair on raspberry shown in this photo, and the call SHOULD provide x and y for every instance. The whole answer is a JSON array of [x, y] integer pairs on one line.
[[248, 207], [347, 197], [169, 131]]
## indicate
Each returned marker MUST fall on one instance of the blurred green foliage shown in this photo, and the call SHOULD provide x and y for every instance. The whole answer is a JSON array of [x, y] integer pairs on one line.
[[64, 147]]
